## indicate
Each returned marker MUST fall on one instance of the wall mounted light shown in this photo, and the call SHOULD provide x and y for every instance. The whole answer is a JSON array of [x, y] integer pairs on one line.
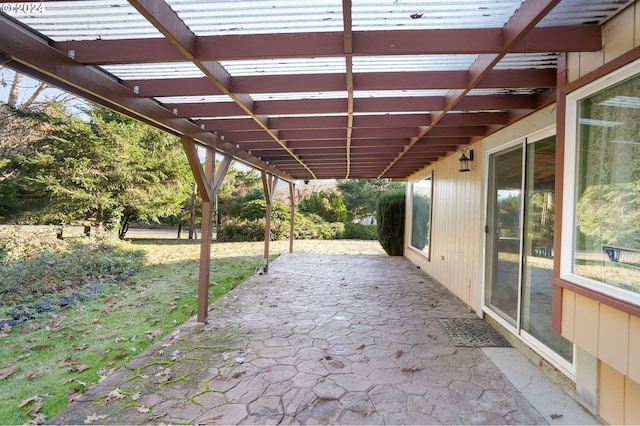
[[464, 160]]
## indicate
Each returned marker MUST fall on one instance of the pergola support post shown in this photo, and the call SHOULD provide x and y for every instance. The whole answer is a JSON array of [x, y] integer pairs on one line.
[[208, 182], [292, 200], [205, 241], [269, 183]]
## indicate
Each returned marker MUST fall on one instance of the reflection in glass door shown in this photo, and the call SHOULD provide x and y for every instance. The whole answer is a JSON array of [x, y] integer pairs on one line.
[[503, 239], [538, 247], [520, 236]]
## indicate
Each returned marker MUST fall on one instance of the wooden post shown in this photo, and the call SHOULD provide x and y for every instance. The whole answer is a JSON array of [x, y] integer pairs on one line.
[[208, 182], [292, 200], [269, 183], [205, 241]]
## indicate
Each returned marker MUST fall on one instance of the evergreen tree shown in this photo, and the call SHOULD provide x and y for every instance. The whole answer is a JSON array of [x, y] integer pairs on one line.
[[106, 171]]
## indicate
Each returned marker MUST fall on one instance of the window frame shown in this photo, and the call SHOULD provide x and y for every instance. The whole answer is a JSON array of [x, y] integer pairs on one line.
[[425, 253], [569, 202]]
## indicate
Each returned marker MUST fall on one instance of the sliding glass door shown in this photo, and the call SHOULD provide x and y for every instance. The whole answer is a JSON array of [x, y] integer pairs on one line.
[[520, 235]]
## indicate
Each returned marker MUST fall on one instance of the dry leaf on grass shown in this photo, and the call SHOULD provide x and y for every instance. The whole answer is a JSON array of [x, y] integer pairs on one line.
[[38, 419], [6, 372], [28, 400], [5, 331], [36, 407], [36, 375]]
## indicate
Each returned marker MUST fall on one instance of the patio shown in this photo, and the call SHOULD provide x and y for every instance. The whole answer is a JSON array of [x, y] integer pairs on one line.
[[327, 339]]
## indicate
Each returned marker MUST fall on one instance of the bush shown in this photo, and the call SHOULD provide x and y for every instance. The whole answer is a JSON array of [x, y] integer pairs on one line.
[[391, 210], [37, 263], [358, 231], [307, 227], [326, 204]]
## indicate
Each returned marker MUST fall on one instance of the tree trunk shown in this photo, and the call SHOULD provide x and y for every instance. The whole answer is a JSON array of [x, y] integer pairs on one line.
[[124, 226], [35, 94], [192, 217], [15, 89]]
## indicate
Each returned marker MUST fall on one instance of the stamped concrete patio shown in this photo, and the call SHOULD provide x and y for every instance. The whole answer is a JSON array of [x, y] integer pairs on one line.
[[322, 339]]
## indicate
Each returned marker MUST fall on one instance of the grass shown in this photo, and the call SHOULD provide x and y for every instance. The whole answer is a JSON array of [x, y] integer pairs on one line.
[[51, 359]]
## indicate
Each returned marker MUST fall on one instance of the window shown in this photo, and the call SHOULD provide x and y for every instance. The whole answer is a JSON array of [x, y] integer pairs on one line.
[[421, 195], [604, 162]]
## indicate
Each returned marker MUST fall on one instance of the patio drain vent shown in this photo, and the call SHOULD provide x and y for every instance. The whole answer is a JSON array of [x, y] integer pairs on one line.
[[472, 332]]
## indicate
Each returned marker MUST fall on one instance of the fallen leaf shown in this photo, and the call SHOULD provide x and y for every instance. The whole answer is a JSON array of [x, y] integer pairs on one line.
[[6, 330], [35, 375], [80, 368], [236, 375], [71, 360], [399, 353], [72, 379], [152, 334], [208, 420], [360, 346], [72, 396], [179, 404], [38, 419], [143, 409], [555, 416], [6, 372], [28, 400], [94, 418], [114, 394], [136, 396], [36, 407], [411, 370], [362, 410]]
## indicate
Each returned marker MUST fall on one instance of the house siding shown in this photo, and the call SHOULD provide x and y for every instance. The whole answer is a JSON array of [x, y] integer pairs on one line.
[[611, 335]]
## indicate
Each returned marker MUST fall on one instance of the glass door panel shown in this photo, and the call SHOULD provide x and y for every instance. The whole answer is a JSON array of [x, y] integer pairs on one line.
[[538, 247], [504, 236]]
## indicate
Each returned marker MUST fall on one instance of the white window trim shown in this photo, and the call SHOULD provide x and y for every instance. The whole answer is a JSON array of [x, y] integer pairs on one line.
[[409, 194], [569, 186]]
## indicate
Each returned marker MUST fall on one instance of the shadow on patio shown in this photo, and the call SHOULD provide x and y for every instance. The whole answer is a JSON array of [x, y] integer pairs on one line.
[[323, 339]]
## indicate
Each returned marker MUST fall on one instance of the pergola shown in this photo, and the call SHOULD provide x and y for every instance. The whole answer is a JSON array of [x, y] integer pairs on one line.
[[311, 89]]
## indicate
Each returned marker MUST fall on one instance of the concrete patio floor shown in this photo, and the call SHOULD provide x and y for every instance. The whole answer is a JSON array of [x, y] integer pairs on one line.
[[325, 339]]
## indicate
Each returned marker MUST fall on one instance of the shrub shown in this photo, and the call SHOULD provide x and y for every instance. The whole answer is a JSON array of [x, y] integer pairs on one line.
[[33, 263], [326, 204], [391, 210], [358, 231]]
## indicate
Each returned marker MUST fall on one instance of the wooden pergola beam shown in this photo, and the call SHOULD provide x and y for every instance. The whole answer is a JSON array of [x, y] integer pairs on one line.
[[587, 38]]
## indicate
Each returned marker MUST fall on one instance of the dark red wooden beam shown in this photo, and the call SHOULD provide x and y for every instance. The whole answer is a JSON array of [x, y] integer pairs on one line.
[[587, 38], [425, 80]]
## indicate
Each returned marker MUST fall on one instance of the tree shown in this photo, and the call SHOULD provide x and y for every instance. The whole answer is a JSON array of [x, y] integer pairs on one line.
[[326, 204], [361, 196], [107, 171]]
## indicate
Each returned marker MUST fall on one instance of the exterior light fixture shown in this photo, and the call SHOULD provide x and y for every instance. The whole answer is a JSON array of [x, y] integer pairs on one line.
[[464, 160]]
